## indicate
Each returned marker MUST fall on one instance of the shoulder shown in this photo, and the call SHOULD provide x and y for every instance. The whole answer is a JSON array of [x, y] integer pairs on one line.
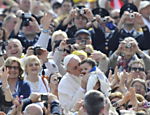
[[23, 83]]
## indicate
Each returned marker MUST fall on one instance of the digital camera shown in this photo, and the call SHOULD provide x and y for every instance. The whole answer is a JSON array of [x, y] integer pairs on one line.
[[26, 18]]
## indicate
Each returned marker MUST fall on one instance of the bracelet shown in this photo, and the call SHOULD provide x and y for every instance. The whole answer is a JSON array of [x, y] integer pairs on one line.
[[46, 31]]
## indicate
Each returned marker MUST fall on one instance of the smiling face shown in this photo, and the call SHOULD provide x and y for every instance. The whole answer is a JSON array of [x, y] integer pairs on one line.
[[14, 48], [33, 67], [13, 70], [85, 68]]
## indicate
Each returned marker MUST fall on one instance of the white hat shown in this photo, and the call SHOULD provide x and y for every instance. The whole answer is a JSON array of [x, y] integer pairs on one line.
[[144, 4], [68, 58]]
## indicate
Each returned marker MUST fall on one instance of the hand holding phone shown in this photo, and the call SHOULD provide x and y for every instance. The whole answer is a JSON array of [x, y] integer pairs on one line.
[[44, 97]]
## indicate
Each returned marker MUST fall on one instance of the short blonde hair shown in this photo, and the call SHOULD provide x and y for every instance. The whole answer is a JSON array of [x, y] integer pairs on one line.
[[57, 33], [29, 59]]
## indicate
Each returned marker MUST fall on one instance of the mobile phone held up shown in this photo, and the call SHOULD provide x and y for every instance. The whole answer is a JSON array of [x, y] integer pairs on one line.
[[110, 25], [44, 97]]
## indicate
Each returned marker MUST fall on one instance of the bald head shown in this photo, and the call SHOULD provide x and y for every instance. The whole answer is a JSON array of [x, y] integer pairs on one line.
[[33, 109]]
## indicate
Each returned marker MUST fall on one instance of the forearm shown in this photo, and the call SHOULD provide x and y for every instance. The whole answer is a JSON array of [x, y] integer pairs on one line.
[[7, 92], [43, 40], [17, 26]]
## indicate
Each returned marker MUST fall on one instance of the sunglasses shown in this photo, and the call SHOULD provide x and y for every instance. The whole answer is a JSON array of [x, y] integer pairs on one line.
[[136, 69], [12, 67], [85, 38], [115, 17]]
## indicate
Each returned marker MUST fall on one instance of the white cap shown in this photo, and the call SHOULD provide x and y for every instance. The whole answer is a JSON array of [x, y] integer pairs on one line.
[[144, 4], [68, 58]]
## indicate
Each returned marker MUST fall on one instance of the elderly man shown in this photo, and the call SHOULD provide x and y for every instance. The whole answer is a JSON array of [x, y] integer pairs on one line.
[[144, 9], [71, 88]]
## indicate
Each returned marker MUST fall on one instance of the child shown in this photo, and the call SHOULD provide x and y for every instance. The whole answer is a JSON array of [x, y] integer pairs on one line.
[[96, 76]]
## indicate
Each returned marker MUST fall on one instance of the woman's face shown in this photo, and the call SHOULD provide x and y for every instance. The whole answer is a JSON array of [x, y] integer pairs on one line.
[[13, 70], [33, 68], [85, 68], [139, 88]]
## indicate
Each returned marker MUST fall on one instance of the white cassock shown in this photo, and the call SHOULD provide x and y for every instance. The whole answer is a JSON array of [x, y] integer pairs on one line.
[[70, 91]]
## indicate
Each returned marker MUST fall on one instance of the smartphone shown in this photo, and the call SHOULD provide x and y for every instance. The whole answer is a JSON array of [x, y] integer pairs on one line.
[[70, 41], [110, 25], [44, 97]]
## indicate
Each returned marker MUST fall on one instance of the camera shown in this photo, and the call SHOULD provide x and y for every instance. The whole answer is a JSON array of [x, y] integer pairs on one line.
[[110, 25], [128, 45], [70, 41], [26, 18], [131, 15], [105, 19], [81, 11], [55, 108], [37, 50], [44, 97]]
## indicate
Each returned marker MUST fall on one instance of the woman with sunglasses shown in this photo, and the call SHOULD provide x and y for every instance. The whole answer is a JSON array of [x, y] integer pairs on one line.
[[32, 67], [13, 84]]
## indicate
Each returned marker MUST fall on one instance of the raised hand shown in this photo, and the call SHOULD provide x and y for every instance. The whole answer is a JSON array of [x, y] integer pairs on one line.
[[46, 20]]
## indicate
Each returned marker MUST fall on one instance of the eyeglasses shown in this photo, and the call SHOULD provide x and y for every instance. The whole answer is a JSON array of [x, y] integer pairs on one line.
[[85, 38], [136, 69], [12, 67], [33, 64], [115, 17]]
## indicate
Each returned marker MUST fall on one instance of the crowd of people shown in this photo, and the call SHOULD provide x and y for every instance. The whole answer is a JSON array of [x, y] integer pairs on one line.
[[75, 57]]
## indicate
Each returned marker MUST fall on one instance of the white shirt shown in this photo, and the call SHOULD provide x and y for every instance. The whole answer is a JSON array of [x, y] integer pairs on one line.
[[38, 86], [70, 91]]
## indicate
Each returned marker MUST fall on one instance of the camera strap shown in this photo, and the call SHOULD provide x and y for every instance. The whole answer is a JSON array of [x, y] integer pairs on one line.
[[44, 77]]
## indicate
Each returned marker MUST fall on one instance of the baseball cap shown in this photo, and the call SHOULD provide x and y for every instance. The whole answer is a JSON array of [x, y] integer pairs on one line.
[[100, 11], [82, 31], [128, 7]]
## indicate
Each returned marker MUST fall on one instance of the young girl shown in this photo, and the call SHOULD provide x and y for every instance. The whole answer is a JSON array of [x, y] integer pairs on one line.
[[97, 79]]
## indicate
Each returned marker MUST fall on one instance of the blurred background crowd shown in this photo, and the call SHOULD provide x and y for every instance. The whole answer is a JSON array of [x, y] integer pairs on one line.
[[75, 57]]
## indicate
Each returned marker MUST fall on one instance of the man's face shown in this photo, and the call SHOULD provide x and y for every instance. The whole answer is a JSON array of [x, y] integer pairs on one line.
[[80, 22], [11, 23], [146, 12], [25, 5], [14, 49], [83, 39], [30, 29], [66, 7], [130, 18], [74, 67]]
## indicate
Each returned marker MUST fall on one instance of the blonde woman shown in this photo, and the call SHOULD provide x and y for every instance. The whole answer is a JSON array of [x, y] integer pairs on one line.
[[32, 68]]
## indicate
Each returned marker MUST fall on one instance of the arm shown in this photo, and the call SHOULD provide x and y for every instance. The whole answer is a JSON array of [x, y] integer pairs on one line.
[[24, 90]]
